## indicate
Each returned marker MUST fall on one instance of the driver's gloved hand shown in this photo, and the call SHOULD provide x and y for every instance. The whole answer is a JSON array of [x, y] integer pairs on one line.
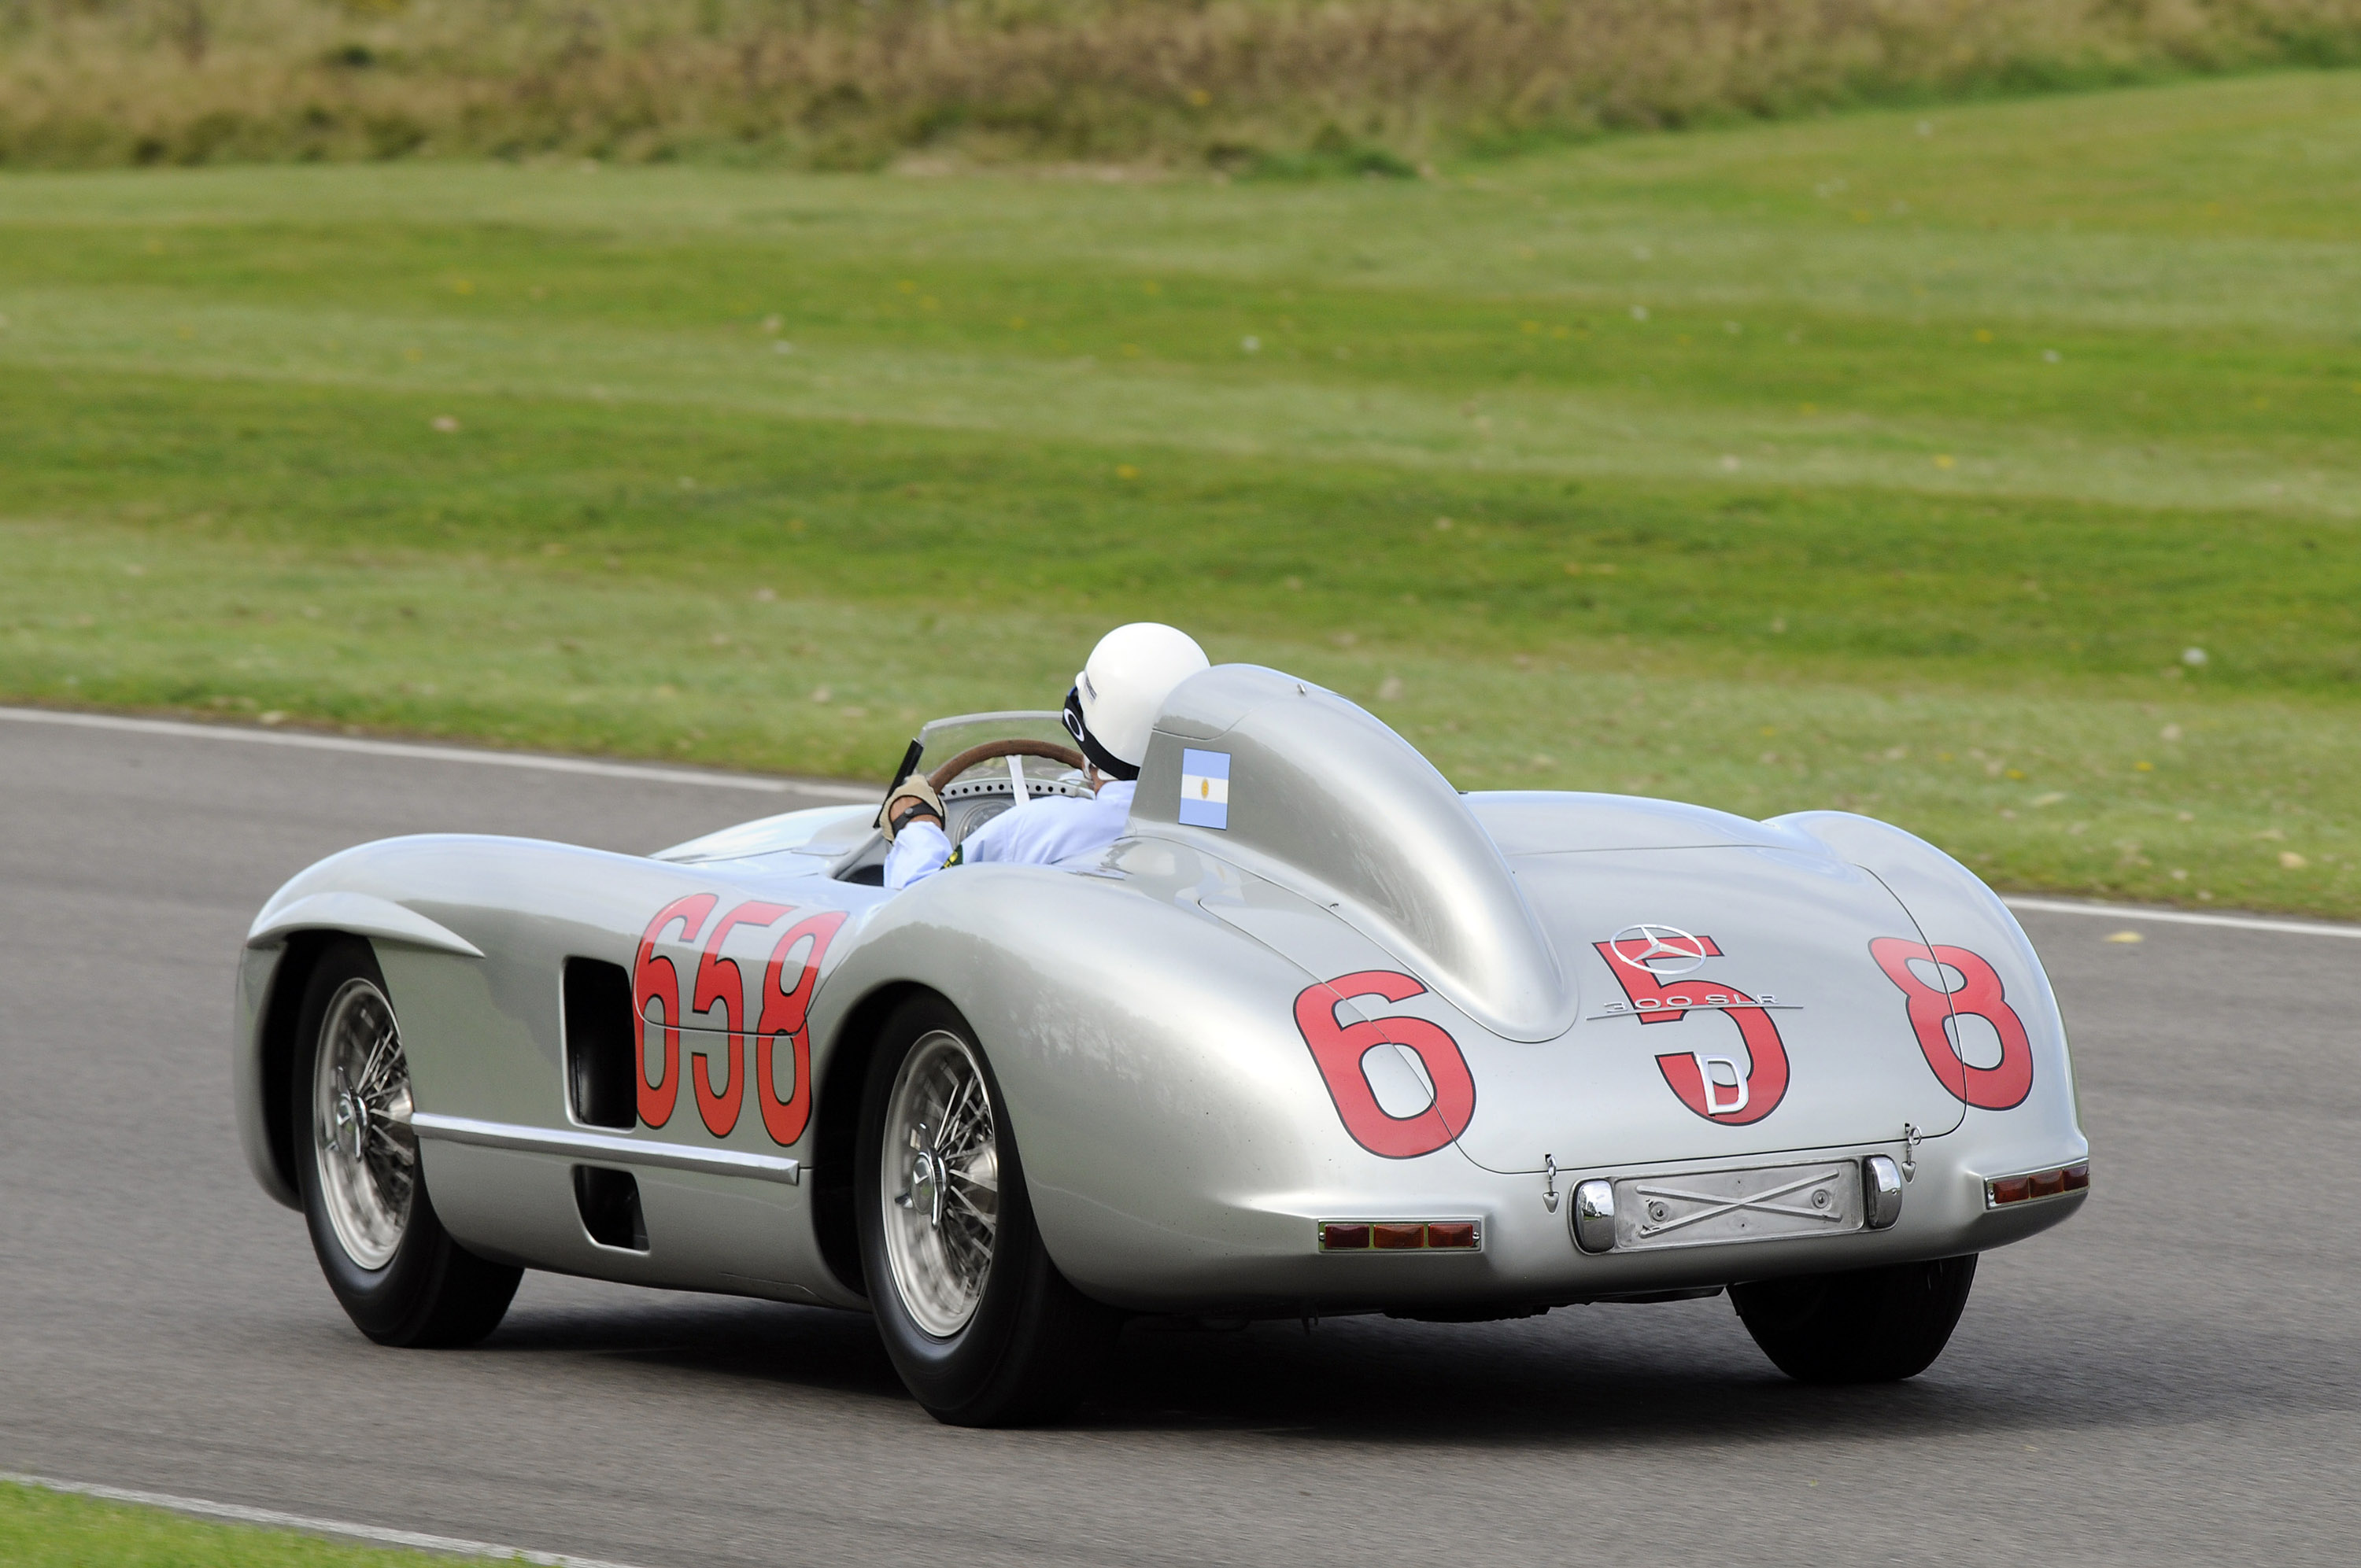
[[914, 798]]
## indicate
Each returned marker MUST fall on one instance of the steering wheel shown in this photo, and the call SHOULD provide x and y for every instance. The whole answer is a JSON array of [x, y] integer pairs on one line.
[[942, 776]]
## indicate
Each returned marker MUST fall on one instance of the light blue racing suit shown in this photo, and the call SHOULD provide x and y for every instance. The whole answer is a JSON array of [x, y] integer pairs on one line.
[[1045, 829]]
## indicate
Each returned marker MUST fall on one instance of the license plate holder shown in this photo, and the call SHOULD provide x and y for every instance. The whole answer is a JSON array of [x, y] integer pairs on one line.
[[1717, 1207]]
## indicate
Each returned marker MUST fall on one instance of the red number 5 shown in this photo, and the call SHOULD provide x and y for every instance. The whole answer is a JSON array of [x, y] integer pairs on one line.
[[1339, 1048], [719, 1109], [1981, 995]]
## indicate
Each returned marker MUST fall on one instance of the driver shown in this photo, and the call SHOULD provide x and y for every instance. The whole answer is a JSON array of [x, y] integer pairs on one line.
[[1110, 710]]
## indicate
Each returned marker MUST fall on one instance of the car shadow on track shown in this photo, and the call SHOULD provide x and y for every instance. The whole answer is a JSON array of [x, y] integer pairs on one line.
[[806, 1348], [1577, 1377], [1672, 1374]]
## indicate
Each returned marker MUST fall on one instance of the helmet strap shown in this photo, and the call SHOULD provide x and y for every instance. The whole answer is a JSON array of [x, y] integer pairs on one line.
[[1101, 758]]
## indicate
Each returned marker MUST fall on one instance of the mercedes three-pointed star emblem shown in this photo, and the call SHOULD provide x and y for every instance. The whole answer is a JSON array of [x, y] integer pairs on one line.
[[1670, 951]]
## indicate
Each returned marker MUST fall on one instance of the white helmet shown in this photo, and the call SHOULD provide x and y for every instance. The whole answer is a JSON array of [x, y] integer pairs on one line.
[[1118, 694]]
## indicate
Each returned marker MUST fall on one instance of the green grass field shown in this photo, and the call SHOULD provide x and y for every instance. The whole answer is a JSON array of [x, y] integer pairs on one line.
[[41, 1529], [1992, 469]]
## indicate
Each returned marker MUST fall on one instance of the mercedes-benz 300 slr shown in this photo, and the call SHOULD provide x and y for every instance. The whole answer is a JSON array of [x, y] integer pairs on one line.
[[1319, 1034]]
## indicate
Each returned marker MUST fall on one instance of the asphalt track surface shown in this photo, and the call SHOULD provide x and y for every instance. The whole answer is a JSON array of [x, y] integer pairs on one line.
[[2175, 1377]]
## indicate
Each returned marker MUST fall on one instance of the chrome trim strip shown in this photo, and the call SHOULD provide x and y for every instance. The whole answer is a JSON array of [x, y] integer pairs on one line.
[[1635, 1010], [610, 1147]]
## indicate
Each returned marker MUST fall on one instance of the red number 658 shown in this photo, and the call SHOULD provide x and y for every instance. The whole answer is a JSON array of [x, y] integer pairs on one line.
[[780, 1020]]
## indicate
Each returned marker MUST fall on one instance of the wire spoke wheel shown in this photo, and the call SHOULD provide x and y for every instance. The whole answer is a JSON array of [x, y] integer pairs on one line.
[[973, 1313], [940, 1179], [401, 1278], [364, 1150]]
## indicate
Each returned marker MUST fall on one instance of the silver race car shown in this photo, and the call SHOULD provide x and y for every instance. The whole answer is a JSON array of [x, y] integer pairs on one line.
[[1319, 1034]]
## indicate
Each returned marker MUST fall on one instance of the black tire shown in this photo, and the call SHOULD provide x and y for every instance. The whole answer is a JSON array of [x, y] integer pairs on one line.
[[431, 1292], [1033, 1342], [1875, 1325]]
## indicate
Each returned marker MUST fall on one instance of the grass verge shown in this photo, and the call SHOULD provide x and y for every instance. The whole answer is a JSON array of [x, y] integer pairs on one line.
[[1991, 472], [41, 1529], [2141, 791]]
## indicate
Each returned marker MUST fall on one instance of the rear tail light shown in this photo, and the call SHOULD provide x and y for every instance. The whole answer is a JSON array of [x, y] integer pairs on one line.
[[2002, 1191], [1402, 1235]]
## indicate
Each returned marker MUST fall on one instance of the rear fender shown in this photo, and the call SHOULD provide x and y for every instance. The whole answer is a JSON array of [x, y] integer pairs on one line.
[[2004, 1051], [1176, 1135]]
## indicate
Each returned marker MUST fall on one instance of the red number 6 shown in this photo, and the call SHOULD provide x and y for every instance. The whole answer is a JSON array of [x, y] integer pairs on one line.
[[654, 979], [1338, 1048]]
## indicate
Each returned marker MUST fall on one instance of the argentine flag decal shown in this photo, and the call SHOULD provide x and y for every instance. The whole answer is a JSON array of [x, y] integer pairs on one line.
[[1205, 789]]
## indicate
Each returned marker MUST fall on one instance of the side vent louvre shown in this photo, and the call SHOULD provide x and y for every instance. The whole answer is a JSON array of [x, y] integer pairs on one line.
[[609, 1202], [602, 1076]]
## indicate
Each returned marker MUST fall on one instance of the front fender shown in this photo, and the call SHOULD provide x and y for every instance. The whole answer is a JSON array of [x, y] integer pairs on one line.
[[361, 914], [308, 903], [258, 975]]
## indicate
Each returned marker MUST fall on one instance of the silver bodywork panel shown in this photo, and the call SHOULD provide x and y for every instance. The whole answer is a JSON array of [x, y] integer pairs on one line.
[[1319, 984]]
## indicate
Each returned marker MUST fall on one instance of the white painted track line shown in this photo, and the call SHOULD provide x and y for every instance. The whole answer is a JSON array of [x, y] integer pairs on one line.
[[2182, 916], [238, 1513], [308, 740]]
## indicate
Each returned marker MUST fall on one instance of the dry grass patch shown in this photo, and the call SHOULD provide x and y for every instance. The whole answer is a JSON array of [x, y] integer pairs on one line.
[[1374, 86]]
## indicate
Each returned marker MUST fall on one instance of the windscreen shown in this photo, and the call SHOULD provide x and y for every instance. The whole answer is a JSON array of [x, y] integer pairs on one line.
[[944, 738]]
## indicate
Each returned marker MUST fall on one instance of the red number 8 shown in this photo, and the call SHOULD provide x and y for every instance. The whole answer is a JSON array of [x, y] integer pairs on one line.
[[1338, 1048], [1981, 996], [786, 1009]]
